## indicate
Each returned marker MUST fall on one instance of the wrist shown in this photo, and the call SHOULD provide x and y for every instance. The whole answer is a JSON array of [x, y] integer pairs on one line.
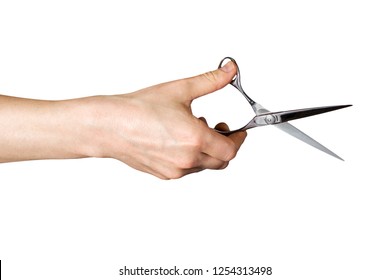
[[99, 123], [83, 127]]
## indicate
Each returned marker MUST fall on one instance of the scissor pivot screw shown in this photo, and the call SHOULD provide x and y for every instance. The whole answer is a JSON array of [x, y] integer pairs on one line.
[[270, 119]]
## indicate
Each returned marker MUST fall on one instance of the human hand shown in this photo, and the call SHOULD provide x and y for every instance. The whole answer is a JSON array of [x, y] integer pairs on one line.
[[153, 130]]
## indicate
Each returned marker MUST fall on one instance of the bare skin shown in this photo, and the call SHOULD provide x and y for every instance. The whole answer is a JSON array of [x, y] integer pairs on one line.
[[152, 130]]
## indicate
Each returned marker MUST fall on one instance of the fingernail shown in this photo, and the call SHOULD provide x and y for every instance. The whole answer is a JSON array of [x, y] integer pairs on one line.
[[228, 67]]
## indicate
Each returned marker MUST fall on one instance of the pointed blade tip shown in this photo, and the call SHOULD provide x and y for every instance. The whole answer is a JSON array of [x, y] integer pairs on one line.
[[343, 106], [340, 158]]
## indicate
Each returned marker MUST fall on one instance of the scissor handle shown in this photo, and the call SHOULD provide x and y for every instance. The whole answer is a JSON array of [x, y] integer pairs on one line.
[[236, 82]]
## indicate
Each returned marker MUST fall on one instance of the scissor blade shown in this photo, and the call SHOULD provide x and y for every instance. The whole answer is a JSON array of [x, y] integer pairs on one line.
[[303, 113], [295, 132]]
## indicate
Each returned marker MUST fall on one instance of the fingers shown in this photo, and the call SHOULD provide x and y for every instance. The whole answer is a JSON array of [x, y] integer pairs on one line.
[[223, 147], [209, 162], [210, 81], [203, 120], [237, 137], [214, 151], [222, 127], [219, 149]]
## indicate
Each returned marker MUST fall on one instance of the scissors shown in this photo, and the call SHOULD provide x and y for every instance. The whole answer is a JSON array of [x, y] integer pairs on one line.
[[280, 119]]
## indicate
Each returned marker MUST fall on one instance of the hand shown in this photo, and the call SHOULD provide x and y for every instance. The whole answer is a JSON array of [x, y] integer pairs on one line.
[[152, 130]]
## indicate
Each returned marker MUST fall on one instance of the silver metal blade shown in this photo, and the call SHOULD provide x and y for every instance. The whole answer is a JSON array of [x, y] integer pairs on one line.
[[295, 132], [308, 112]]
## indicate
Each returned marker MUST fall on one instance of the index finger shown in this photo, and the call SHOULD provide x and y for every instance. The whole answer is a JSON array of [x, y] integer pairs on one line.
[[237, 137], [220, 146]]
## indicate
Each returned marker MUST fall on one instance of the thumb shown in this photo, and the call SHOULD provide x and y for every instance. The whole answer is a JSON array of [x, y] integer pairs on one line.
[[211, 81]]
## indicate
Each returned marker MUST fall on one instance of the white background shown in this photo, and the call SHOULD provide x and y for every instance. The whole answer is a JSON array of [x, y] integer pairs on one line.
[[280, 203]]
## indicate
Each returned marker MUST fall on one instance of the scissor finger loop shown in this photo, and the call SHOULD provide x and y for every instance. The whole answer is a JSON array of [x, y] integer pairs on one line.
[[236, 81]]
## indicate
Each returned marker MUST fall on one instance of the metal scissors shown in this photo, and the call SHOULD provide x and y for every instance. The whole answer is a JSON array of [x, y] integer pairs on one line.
[[280, 119]]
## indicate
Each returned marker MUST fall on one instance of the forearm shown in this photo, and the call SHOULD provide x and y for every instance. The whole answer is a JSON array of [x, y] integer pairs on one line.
[[36, 129]]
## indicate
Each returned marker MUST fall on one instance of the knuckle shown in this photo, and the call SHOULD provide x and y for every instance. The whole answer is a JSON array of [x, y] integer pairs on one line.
[[224, 165], [190, 156], [175, 174], [231, 152], [187, 162], [190, 159], [163, 177], [195, 142], [211, 77]]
